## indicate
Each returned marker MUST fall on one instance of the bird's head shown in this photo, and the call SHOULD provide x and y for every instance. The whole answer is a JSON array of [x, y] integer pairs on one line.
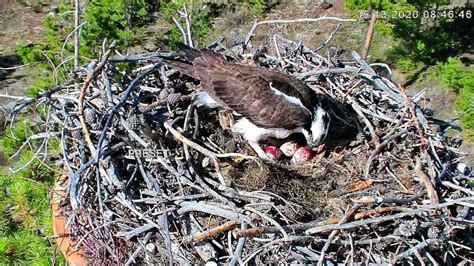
[[318, 128]]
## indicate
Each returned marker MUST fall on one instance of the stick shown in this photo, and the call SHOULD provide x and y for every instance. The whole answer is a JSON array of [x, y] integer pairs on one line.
[[412, 250], [379, 148], [189, 206], [288, 21], [432, 194], [295, 228], [379, 210], [357, 186], [183, 33], [411, 108], [237, 256], [82, 95], [187, 18], [349, 214], [328, 39], [199, 148], [329, 71], [327, 228], [454, 186], [213, 232], [376, 79]]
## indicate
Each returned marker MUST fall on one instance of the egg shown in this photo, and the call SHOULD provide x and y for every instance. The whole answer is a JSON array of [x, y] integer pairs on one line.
[[289, 148], [273, 152], [302, 155]]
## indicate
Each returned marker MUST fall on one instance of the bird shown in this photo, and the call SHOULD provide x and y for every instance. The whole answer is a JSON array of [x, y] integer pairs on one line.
[[267, 103]]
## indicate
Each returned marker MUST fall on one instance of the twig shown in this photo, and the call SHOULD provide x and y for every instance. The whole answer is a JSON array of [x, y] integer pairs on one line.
[[379, 148], [238, 251], [454, 186], [349, 214], [333, 32], [77, 32], [199, 148], [379, 210], [288, 21], [409, 104], [140, 247], [213, 231], [183, 33], [432, 194], [187, 18], [416, 248], [15, 67], [82, 95], [256, 231], [329, 71], [350, 225], [214, 210]]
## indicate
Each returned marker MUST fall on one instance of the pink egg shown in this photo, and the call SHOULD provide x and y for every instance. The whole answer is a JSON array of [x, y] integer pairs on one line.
[[289, 148], [303, 154], [273, 151]]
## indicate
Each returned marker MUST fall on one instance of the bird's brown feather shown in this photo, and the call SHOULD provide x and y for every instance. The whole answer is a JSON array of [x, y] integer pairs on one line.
[[246, 90]]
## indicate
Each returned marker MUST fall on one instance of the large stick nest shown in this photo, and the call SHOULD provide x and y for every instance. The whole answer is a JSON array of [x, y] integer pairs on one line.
[[387, 187]]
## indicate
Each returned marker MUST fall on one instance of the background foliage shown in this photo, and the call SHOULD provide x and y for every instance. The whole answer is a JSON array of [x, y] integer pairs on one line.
[[25, 215], [430, 44], [458, 78]]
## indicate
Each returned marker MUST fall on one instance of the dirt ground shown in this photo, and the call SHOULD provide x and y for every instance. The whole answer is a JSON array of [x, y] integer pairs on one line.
[[19, 23]]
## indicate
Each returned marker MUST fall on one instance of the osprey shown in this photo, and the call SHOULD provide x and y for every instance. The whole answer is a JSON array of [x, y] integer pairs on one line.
[[267, 103]]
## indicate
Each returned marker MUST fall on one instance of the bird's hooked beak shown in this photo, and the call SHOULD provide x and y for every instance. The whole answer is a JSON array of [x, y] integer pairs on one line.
[[315, 146], [319, 128], [308, 138]]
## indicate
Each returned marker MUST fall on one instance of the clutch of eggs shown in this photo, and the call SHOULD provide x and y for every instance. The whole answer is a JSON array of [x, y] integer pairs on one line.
[[290, 149]]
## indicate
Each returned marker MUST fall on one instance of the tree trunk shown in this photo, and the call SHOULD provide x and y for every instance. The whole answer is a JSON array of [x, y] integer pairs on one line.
[[370, 33]]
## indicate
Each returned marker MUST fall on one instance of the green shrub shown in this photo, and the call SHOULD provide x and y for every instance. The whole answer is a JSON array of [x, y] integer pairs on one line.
[[25, 222], [452, 73], [25, 216], [258, 6], [24, 247], [11, 141], [114, 20], [200, 18], [460, 79]]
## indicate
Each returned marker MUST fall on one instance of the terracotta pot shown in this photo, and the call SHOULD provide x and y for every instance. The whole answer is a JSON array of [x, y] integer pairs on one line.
[[64, 242]]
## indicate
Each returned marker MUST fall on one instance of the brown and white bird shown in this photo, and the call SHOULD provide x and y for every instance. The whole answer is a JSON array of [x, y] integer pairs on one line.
[[267, 103]]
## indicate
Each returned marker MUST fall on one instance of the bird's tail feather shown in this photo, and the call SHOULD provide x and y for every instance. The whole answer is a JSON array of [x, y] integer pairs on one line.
[[191, 53], [181, 66], [184, 66]]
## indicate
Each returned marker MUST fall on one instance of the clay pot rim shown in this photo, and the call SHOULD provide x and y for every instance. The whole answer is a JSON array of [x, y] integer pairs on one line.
[[59, 221]]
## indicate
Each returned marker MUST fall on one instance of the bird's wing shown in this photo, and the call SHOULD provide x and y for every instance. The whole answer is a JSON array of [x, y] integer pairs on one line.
[[248, 92], [292, 86]]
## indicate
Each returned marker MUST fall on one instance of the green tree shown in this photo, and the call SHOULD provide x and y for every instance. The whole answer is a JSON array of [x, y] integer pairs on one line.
[[422, 38]]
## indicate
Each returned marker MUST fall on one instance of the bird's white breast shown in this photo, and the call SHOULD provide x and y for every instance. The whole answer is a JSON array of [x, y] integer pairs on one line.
[[252, 132]]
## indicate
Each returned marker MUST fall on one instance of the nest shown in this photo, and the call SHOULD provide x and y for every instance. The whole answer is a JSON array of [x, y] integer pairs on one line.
[[154, 179]]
